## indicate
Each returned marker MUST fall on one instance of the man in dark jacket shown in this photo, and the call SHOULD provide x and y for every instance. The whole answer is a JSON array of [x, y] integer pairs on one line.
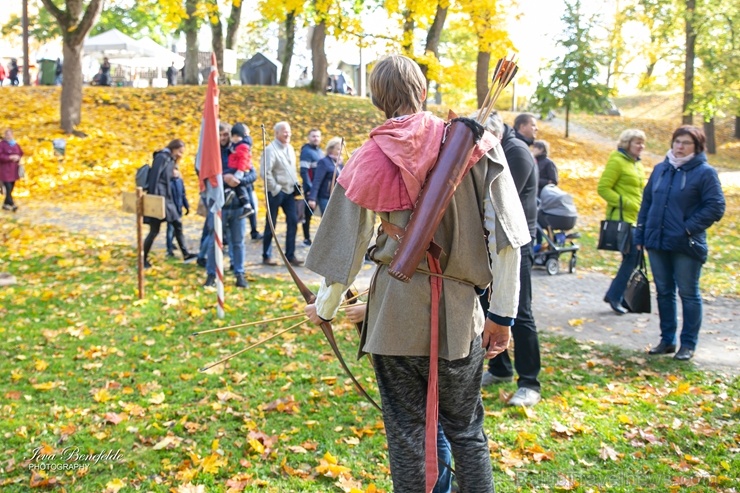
[[234, 229], [527, 361], [525, 127], [310, 155], [172, 75]]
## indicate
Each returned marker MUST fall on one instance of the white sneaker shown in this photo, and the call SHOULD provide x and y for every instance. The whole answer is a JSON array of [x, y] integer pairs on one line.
[[489, 379], [525, 397]]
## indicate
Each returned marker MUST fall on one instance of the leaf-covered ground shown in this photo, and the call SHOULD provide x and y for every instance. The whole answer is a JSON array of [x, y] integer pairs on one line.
[[101, 392]]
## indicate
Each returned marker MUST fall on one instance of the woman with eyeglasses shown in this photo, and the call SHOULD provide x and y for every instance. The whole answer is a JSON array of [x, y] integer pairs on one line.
[[683, 198]]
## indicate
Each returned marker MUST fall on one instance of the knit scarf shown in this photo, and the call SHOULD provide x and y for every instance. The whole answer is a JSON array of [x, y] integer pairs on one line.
[[677, 162]]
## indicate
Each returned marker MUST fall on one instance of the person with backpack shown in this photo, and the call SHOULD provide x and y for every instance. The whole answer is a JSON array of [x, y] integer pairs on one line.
[[158, 183]]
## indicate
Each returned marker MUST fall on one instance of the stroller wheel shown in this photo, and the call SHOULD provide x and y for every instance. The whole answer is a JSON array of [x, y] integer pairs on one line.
[[552, 265], [572, 264]]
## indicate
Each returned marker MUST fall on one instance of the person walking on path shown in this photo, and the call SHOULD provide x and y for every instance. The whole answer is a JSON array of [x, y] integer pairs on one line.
[[621, 186], [527, 360], [683, 198], [160, 175], [278, 169], [383, 178], [171, 75], [311, 154], [13, 71], [325, 175], [10, 158]]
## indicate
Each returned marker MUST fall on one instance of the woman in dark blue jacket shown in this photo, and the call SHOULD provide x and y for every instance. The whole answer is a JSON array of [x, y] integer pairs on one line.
[[681, 200], [325, 174]]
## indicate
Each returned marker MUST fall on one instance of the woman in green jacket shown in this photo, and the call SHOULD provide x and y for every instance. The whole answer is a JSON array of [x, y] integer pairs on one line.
[[623, 177]]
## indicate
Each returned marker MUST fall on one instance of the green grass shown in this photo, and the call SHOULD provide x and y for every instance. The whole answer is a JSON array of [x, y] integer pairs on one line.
[[86, 365]]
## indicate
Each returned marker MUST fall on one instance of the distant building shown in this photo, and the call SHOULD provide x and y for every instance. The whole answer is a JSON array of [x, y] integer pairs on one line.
[[259, 71]]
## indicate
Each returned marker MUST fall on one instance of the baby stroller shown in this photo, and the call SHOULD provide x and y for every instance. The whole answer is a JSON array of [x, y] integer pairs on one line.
[[556, 216]]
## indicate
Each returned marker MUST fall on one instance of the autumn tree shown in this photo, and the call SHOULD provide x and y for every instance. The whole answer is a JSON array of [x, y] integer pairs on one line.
[[716, 80], [489, 24], [190, 26], [75, 21], [417, 15], [661, 18], [218, 41], [573, 77], [690, 46], [286, 13]]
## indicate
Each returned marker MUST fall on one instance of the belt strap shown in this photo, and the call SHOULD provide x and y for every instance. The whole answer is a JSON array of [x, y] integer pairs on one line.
[[432, 406]]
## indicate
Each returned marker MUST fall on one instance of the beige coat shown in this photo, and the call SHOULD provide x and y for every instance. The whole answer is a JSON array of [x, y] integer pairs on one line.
[[398, 318], [279, 164]]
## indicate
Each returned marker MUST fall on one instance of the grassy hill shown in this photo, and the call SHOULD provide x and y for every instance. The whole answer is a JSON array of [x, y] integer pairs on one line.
[[124, 126], [658, 115]]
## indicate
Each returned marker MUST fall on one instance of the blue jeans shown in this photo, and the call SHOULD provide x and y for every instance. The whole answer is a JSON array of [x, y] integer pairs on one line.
[[234, 230], [444, 454], [286, 202], [673, 270], [206, 236], [322, 205], [619, 283]]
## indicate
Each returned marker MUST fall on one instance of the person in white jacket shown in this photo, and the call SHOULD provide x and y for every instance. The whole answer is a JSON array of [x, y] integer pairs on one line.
[[278, 169]]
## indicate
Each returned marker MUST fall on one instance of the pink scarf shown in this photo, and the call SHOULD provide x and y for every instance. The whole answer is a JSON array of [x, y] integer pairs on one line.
[[387, 172]]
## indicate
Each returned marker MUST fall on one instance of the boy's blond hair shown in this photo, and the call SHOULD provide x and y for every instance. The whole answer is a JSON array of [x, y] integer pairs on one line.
[[397, 86]]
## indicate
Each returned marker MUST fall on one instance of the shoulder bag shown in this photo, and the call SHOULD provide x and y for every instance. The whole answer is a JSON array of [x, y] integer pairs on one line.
[[637, 293], [616, 235]]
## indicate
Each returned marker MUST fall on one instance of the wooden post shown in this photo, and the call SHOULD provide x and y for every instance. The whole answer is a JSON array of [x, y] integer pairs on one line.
[[141, 204], [140, 239]]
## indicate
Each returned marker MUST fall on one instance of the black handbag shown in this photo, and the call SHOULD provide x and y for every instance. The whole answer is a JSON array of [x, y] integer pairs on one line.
[[637, 293], [616, 235]]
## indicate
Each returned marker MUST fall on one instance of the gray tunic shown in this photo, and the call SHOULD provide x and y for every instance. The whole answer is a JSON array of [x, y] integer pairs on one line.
[[398, 318]]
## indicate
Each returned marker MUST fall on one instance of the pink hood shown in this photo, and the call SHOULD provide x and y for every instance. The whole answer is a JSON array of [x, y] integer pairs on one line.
[[387, 172]]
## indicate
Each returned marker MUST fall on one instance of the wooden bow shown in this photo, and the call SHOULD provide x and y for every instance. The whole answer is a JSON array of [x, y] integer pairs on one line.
[[307, 294]]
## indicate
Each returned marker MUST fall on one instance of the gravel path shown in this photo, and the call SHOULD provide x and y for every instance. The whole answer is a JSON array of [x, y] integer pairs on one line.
[[564, 304]]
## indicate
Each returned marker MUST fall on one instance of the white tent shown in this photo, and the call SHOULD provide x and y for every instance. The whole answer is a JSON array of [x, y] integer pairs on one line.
[[124, 50], [114, 43]]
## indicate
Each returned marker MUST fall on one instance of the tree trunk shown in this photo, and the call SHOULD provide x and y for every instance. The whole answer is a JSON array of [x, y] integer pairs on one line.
[[74, 23], [289, 45], [711, 139], [567, 120], [232, 29], [433, 36], [217, 45], [481, 76], [190, 26], [26, 63], [318, 58], [71, 105], [688, 79], [737, 127]]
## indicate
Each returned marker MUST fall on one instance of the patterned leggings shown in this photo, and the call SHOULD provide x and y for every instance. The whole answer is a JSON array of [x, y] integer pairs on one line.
[[402, 381]]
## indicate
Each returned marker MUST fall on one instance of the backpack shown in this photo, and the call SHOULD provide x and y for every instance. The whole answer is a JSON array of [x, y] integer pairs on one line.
[[142, 177]]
